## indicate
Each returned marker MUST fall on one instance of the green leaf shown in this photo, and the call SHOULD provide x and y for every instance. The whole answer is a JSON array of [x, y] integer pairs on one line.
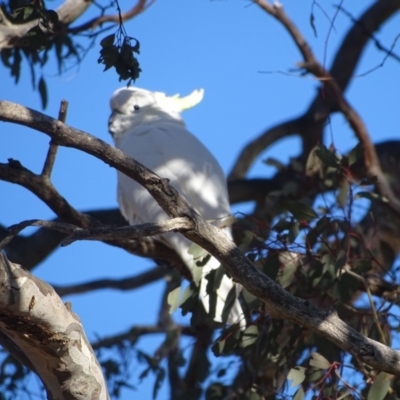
[[293, 232], [173, 299], [314, 163], [274, 163], [108, 41], [343, 193], [37, 39], [197, 251], [28, 10], [370, 196], [283, 225], [229, 302], [247, 237], [380, 387], [327, 157], [109, 57], [218, 347], [253, 395], [211, 292], [16, 66], [319, 361], [288, 272], [299, 394], [319, 228], [228, 341], [52, 16], [341, 260], [189, 300], [297, 375], [159, 381], [356, 153], [43, 92], [144, 373], [250, 335], [136, 47], [300, 211]]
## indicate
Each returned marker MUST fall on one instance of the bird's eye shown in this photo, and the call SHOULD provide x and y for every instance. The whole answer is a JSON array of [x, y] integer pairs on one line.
[[136, 107]]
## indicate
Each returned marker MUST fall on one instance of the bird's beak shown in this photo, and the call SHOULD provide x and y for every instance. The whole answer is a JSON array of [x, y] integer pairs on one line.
[[111, 121]]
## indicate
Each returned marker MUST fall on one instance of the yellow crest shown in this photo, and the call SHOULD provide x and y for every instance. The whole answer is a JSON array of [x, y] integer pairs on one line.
[[190, 100]]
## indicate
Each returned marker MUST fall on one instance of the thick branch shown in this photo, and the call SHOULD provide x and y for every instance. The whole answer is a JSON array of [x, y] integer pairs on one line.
[[51, 336], [14, 172]]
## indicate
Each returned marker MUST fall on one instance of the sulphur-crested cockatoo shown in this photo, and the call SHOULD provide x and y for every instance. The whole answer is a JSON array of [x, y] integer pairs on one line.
[[148, 127]]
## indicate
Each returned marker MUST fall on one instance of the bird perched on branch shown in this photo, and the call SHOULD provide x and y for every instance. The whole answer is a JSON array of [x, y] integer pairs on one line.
[[148, 126]]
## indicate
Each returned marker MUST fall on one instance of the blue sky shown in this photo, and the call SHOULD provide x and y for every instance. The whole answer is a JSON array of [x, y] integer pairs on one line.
[[222, 46]]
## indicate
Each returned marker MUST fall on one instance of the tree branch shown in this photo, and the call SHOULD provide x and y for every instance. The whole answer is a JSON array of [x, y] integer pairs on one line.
[[31, 250], [137, 9], [310, 125], [11, 34], [333, 91], [52, 152], [129, 283], [134, 333], [51, 336], [129, 232], [41, 186]]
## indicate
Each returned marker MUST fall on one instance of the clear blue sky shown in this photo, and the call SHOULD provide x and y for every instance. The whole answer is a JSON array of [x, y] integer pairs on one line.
[[220, 46]]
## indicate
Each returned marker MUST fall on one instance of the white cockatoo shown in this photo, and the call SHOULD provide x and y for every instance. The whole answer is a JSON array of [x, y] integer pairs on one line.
[[148, 127]]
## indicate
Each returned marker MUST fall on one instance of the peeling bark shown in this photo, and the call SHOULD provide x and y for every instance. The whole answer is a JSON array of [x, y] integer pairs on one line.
[[35, 322]]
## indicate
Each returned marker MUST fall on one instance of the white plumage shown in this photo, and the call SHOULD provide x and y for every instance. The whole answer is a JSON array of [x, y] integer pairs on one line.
[[148, 127]]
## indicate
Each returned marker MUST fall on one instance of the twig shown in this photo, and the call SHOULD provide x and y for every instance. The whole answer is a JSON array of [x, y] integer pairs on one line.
[[371, 301], [134, 333], [130, 232], [378, 45], [252, 150], [51, 154], [32, 249], [129, 283], [17, 228], [140, 6]]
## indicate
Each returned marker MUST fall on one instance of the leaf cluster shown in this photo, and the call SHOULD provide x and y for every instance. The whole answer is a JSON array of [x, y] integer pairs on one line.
[[36, 45], [119, 53]]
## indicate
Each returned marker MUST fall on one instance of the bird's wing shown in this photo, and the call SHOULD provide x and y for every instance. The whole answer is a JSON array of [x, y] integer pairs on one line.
[[174, 153]]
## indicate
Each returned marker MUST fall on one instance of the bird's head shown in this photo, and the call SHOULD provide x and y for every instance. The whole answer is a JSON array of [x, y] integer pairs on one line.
[[133, 106]]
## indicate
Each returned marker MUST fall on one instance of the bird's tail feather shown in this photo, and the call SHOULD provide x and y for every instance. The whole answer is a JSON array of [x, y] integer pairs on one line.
[[215, 286], [218, 292]]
